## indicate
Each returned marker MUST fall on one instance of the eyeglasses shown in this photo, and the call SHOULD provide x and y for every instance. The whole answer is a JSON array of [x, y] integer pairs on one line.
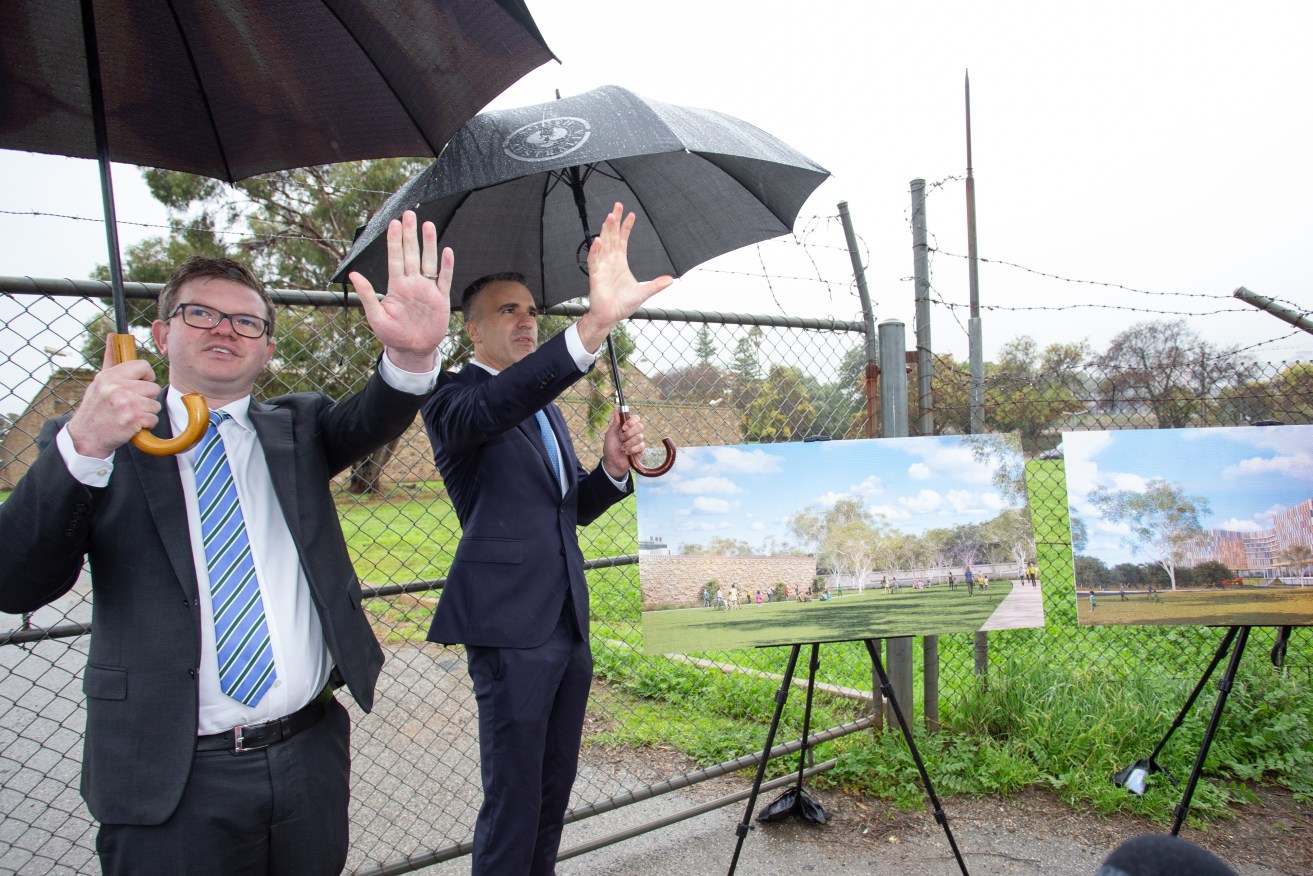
[[202, 317]]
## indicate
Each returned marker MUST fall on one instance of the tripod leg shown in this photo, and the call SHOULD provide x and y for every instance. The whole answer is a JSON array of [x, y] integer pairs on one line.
[[745, 825], [1223, 689], [1194, 694], [888, 689], [805, 752]]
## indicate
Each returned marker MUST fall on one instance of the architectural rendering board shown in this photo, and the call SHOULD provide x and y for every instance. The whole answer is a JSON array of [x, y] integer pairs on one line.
[[769, 544], [1192, 526]]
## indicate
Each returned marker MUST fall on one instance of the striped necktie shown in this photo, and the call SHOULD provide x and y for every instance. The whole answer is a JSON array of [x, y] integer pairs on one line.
[[241, 636], [549, 440]]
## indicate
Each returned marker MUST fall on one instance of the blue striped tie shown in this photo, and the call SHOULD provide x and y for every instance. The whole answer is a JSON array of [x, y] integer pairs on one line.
[[241, 636], [549, 439]]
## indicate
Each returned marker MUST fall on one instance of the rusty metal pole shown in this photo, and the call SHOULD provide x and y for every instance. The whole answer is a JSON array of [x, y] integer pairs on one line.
[[976, 354], [871, 378]]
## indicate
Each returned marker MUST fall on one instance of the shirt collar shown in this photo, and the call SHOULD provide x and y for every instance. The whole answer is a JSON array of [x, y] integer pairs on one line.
[[239, 411], [493, 371]]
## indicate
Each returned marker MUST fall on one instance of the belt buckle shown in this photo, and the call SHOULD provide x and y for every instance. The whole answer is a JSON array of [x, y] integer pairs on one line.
[[239, 742]]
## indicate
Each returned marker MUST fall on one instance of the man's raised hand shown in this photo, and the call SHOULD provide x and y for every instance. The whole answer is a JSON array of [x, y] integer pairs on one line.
[[412, 319], [613, 292]]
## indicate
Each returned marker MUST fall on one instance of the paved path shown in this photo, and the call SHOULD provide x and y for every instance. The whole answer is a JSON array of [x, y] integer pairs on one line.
[[1023, 607]]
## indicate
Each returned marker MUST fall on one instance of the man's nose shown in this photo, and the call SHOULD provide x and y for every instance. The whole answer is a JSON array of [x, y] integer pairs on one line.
[[225, 325]]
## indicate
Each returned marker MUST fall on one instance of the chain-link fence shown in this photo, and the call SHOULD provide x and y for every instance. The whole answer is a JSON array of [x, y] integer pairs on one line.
[[700, 379]]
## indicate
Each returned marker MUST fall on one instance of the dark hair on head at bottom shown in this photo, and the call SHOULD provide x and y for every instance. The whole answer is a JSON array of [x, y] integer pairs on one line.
[[473, 289], [205, 267]]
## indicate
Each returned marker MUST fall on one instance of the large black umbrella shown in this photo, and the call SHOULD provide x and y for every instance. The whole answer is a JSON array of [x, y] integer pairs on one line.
[[524, 189], [232, 89]]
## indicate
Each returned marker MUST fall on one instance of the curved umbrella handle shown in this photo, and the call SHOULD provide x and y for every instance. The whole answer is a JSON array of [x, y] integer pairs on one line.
[[124, 349], [655, 471]]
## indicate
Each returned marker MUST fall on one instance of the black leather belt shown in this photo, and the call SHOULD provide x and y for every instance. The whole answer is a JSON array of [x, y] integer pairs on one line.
[[253, 737]]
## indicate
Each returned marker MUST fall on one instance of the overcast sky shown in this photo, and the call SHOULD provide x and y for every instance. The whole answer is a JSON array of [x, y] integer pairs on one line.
[[1246, 475], [750, 492], [1157, 146]]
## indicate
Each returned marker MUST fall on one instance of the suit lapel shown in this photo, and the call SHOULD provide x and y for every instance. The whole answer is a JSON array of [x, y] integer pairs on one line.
[[161, 484], [273, 427]]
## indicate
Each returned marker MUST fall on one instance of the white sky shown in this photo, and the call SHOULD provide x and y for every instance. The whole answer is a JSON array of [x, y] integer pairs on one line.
[[1161, 146]]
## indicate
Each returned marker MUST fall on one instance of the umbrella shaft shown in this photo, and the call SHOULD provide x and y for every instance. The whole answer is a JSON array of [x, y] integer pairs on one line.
[[102, 156], [615, 374]]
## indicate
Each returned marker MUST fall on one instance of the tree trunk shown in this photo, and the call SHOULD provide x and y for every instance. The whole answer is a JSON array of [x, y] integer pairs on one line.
[[367, 474]]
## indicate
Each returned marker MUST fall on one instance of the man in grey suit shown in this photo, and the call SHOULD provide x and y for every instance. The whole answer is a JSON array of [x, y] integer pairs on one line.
[[201, 756], [516, 595]]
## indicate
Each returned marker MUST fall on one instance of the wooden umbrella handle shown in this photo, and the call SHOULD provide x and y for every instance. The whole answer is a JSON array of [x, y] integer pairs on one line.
[[635, 459], [123, 348]]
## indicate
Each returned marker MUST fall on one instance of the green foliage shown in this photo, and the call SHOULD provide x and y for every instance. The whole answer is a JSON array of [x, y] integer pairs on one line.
[[780, 410], [705, 345]]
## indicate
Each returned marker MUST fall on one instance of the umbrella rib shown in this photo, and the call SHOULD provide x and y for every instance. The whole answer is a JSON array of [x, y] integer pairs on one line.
[[200, 86], [328, 4], [620, 177]]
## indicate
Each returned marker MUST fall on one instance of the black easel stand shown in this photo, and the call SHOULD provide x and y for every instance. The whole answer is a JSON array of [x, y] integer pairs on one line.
[[1223, 690], [741, 830], [1151, 765], [780, 697], [888, 690]]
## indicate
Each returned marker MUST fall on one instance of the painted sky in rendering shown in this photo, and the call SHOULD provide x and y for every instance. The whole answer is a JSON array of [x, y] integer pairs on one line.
[[748, 492], [1247, 473]]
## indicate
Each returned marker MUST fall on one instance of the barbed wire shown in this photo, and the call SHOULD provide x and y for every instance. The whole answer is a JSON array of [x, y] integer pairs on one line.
[[802, 240]]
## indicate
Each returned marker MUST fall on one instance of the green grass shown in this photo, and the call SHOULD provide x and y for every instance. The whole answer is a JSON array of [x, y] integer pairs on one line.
[[870, 614]]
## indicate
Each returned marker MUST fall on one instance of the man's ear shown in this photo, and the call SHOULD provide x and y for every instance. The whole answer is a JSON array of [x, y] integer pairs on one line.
[[159, 330]]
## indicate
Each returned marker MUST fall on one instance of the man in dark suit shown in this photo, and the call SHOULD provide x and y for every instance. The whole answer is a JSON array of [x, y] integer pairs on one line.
[[516, 595], [196, 761]]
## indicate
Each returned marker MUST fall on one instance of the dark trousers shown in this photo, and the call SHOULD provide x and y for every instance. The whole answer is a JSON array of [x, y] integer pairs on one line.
[[531, 715], [279, 810]]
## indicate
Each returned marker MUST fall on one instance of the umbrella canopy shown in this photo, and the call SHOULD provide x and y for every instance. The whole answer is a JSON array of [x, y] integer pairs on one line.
[[232, 89], [523, 189]]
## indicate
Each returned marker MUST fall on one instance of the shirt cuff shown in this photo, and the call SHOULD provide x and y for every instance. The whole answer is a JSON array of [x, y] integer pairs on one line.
[[582, 358], [86, 470], [622, 485], [412, 382]]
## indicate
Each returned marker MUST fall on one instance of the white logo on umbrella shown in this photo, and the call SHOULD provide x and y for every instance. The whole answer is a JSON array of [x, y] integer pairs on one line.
[[550, 138]]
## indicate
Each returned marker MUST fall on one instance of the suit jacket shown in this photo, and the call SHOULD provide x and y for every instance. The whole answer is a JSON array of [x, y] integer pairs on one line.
[[519, 551], [141, 675]]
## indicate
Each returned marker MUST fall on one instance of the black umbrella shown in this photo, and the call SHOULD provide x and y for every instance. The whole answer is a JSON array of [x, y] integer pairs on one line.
[[521, 189], [232, 89]]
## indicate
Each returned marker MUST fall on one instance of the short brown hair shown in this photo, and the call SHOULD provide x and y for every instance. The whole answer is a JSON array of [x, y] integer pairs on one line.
[[222, 268]]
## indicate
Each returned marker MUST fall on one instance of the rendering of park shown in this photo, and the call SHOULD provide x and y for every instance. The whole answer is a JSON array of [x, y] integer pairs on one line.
[[1192, 526], [750, 545]]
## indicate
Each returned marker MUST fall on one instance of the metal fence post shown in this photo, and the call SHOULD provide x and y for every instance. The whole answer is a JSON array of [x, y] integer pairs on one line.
[[925, 424], [893, 424]]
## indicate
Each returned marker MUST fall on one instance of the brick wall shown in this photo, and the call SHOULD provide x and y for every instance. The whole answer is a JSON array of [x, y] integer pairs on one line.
[[63, 390], [677, 581]]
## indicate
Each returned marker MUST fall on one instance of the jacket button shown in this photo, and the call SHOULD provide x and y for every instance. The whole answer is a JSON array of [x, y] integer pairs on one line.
[[192, 672]]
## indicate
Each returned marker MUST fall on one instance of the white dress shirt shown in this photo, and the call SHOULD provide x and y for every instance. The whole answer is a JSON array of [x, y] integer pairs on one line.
[[583, 360], [301, 656]]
